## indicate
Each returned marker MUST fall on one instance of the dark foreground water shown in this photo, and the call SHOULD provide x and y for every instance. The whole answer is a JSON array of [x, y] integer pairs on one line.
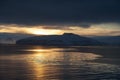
[[53, 63]]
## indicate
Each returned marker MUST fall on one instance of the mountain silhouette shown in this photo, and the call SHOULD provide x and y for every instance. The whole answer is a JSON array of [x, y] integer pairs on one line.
[[110, 40], [67, 39]]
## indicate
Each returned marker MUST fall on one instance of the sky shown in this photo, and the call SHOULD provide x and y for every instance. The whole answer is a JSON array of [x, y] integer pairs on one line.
[[46, 17]]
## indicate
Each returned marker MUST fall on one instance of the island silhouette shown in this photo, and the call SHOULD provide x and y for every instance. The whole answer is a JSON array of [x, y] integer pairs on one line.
[[66, 39]]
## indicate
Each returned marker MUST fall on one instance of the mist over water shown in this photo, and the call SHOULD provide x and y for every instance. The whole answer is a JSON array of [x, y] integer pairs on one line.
[[59, 63]]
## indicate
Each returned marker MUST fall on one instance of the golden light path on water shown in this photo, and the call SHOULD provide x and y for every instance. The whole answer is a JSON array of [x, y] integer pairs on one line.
[[48, 63]]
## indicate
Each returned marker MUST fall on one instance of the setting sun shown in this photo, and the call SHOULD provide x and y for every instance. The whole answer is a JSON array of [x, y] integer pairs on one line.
[[44, 31]]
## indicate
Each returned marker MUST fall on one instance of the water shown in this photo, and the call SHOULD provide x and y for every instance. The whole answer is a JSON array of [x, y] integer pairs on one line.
[[59, 63]]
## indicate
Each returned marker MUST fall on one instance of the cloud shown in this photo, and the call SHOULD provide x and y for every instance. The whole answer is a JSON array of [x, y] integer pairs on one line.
[[36, 12], [77, 16], [65, 26], [37, 30], [106, 29]]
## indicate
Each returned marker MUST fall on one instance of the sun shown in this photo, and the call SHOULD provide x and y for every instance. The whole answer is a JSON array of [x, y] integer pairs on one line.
[[45, 31], [40, 32]]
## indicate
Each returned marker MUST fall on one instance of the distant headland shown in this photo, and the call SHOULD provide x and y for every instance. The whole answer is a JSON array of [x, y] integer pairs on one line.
[[67, 39]]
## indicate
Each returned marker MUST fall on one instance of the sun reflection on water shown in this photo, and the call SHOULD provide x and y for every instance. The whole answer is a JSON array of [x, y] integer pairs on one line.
[[40, 63], [54, 57]]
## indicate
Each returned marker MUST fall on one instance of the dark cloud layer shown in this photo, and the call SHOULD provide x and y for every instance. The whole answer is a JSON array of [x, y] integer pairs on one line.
[[59, 11]]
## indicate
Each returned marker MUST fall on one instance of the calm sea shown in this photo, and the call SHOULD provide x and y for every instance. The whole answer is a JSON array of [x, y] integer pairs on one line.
[[59, 63]]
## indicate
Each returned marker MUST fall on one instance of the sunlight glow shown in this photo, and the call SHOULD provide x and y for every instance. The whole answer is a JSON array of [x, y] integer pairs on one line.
[[44, 31], [37, 50], [36, 30], [108, 29]]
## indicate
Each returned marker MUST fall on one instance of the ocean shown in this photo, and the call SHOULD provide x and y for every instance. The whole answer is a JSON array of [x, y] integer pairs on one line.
[[28, 62]]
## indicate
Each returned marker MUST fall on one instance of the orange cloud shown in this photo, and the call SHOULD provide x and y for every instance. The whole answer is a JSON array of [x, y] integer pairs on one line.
[[94, 30]]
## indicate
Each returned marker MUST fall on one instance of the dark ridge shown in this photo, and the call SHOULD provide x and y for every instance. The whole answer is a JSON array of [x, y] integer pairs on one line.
[[67, 39]]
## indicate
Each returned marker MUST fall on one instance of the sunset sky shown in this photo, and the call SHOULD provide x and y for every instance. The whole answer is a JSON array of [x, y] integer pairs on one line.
[[46, 17]]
